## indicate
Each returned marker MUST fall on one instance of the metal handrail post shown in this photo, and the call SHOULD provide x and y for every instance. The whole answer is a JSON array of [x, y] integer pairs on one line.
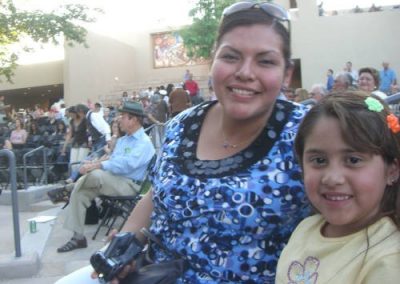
[[45, 165], [24, 162], [14, 198]]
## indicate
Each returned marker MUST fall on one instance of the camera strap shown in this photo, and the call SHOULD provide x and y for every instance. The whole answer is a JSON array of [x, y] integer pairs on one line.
[[154, 239]]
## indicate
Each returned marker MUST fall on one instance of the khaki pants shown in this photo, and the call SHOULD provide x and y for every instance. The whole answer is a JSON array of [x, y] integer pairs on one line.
[[88, 187]]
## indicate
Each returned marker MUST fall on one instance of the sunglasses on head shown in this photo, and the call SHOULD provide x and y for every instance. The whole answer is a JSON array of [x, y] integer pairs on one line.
[[270, 9]]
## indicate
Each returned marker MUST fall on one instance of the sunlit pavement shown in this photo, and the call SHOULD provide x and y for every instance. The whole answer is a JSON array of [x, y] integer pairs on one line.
[[53, 265]]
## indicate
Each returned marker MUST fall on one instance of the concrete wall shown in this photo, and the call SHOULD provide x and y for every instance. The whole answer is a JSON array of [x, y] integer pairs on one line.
[[90, 73], [36, 75], [319, 42], [366, 39]]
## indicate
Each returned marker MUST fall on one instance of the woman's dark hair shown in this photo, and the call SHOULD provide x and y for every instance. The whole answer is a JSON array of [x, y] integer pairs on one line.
[[34, 128], [64, 129], [21, 122], [71, 109], [361, 128], [252, 17], [374, 73], [169, 88]]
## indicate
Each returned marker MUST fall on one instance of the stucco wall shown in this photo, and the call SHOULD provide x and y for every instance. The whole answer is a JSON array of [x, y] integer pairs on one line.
[[366, 39], [90, 73], [36, 75], [319, 42]]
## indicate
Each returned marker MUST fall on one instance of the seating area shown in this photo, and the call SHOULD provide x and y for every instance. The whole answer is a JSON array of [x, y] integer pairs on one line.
[[118, 208], [37, 163]]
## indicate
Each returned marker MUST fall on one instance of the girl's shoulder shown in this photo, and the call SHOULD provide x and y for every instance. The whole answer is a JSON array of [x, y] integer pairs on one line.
[[385, 230]]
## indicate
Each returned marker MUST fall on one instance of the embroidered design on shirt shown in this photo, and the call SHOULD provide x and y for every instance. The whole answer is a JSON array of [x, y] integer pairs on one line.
[[306, 273], [127, 150]]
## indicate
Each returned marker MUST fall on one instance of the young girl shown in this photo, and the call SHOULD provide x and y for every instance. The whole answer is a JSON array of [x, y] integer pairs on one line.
[[349, 150]]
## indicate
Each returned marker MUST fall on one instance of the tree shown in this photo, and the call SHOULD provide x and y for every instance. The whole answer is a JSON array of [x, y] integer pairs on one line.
[[42, 27], [200, 36]]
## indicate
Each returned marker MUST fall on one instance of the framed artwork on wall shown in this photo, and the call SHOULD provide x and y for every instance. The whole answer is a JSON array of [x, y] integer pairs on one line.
[[169, 51]]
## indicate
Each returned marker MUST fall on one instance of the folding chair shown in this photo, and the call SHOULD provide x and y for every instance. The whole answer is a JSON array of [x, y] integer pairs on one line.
[[115, 207]]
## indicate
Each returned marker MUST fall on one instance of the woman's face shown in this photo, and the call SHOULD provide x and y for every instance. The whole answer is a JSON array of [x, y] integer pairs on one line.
[[248, 71], [366, 82], [114, 128]]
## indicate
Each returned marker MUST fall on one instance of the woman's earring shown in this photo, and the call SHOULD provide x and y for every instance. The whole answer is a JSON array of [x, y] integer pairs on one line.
[[392, 181]]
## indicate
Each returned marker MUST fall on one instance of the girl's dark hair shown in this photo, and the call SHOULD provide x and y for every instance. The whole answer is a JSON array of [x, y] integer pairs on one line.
[[364, 130], [253, 17]]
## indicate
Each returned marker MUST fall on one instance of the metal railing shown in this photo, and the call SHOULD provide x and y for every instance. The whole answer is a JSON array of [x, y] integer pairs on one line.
[[14, 197], [394, 103], [44, 164]]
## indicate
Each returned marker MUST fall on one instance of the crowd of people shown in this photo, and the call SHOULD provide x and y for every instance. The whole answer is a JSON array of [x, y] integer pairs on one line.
[[253, 187], [79, 131], [381, 83]]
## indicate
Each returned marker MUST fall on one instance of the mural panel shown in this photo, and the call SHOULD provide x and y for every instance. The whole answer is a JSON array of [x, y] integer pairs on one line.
[[169, 51]]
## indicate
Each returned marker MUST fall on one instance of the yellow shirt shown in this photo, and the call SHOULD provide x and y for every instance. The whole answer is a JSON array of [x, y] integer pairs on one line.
[[310, 258]]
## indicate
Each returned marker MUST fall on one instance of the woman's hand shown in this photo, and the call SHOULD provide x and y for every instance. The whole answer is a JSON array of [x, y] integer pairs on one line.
[[129, 268]]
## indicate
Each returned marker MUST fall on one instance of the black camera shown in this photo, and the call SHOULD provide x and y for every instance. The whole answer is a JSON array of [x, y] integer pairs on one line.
[[124, 248]]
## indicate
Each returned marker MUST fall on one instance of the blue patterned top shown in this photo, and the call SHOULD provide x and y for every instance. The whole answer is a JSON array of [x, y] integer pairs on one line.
[[229, 218]]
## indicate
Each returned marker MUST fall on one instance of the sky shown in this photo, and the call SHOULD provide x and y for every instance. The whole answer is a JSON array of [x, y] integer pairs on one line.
[[139, 13], [349, 4]]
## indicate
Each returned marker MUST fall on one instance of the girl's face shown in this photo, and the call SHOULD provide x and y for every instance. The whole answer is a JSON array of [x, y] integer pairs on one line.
[[248, 71], [17, 123], [344, 185], [366, 82]]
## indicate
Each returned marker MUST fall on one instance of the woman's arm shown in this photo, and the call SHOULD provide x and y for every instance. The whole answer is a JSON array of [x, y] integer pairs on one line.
[[153, 119], [68, 137], [140, 216]]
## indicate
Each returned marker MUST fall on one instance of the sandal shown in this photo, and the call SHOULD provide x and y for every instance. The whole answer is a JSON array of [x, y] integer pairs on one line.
[[60, 194], [73, 244]]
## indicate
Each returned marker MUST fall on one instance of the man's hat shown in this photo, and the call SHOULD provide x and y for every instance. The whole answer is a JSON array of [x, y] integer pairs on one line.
[[132, 108]]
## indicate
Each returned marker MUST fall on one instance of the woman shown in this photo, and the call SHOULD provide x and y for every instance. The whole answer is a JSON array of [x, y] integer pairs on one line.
[[35, 138], [368, 81], [227, 190], [301, 95], [116, 133], [18, 136], [77, 138]]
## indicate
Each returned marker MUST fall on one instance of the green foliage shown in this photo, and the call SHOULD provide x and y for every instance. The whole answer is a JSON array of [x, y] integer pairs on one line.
[[41, 27], [200, 36]]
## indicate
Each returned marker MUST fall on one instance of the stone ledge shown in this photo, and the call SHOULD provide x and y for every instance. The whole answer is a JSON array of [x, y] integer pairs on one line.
[[28, 197], [32, 249], [19, 267]]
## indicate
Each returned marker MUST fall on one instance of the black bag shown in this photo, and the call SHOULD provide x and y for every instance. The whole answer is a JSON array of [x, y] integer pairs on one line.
[[158, 273], [92, 214], [149, 272]]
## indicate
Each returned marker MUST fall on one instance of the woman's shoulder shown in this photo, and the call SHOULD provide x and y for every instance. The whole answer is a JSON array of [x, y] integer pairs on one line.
[[193, 112], [297, 110]]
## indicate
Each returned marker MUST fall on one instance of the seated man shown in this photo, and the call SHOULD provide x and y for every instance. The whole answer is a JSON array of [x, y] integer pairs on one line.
[[119, 175]]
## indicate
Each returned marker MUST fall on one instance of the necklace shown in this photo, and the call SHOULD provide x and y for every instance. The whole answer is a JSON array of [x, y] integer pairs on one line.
[[227, 145]]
